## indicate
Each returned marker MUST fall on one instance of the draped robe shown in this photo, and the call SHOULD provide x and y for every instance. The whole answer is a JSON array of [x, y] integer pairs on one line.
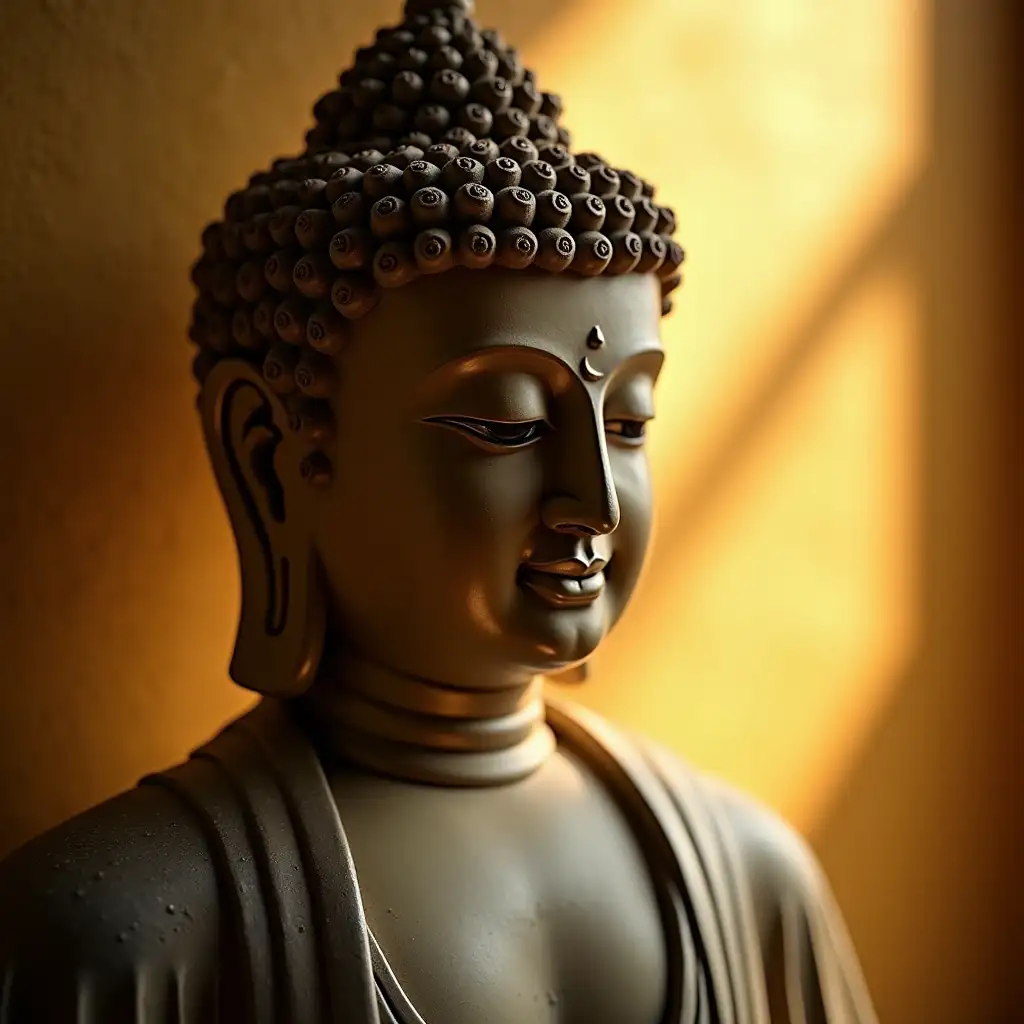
[[106, 920]]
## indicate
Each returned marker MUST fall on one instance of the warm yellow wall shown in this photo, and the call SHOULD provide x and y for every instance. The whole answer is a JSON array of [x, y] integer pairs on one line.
[[818, 623]]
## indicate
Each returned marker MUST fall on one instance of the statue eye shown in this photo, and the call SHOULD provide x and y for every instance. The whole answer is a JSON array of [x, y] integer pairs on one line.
[[499, 433], [632, 432]]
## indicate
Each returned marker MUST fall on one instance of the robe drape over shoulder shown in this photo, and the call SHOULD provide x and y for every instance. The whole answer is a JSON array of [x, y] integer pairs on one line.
[[222, 891]]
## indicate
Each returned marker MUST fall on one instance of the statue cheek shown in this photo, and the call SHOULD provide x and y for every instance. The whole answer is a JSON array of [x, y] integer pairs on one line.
[[636, 505], [630, 542]]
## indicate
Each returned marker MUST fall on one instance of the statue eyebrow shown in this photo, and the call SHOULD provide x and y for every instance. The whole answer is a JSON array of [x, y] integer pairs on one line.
[[491, 359], [480, 359], [654, 355]]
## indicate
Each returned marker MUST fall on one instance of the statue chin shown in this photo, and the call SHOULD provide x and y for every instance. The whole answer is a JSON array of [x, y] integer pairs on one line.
[[568, 645]]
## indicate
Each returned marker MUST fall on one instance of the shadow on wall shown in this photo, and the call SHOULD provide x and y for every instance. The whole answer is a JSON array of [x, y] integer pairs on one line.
[[921, 843], [918, 850]]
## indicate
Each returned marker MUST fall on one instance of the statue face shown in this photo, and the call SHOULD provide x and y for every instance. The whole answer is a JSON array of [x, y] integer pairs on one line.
[[490, 505]]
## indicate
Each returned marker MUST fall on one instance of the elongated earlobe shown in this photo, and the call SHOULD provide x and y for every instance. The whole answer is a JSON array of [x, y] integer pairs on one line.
[[281, 628]]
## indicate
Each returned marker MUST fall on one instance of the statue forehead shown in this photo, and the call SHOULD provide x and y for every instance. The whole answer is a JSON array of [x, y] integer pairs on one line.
[[436, 320]]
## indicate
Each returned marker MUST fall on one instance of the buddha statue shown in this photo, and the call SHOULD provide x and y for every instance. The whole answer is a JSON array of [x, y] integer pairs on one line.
[[427, 349]]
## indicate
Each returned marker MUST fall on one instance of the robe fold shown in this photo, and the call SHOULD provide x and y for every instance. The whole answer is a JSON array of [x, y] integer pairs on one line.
[[223, 891]]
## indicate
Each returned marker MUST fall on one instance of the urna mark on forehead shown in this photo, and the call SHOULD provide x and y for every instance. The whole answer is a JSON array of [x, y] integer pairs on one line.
[[460, 323]]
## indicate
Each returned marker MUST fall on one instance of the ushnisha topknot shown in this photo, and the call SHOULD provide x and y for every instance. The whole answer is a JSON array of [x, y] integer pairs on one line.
[[437, 150]]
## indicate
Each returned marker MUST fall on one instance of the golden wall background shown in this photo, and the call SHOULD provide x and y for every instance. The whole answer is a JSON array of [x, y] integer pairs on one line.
[[825, 617]]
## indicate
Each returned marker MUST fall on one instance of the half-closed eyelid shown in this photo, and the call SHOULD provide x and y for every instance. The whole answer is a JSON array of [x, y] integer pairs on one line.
[[634, 418], [630, 430], [485, 421], [500, 433]]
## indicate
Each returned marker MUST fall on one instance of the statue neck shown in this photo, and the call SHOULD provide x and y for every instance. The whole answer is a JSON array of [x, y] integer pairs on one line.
[[419, 731]]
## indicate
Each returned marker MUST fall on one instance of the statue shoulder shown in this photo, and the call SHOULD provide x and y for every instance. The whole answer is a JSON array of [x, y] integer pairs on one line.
[[777, 861], [805, 950], [115, 910], [802, 942]]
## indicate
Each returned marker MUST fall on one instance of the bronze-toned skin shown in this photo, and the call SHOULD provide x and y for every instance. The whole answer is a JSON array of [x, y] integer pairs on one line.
[[437, 501]]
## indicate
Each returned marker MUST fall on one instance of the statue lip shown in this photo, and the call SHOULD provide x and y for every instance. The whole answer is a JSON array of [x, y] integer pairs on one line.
[[574, 568], [566, 583]]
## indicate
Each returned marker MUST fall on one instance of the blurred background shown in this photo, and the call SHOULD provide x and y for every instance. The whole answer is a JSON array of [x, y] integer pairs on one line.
[[827, 618]]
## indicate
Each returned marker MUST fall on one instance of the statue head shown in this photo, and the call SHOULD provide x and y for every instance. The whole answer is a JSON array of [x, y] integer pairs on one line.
[[427, 352]]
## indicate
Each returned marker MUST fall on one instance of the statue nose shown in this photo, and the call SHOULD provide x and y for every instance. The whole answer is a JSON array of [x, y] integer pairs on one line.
[[585, 503], [582, 518]]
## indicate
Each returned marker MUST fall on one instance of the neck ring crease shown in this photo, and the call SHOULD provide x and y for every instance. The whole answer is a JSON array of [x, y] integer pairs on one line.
[[418, 731]]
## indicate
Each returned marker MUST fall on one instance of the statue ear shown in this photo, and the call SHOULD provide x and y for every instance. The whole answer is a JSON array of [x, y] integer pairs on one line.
[[281, 630]]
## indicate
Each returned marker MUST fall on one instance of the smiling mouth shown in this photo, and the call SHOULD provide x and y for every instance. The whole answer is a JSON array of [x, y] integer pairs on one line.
[[568, 586]]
